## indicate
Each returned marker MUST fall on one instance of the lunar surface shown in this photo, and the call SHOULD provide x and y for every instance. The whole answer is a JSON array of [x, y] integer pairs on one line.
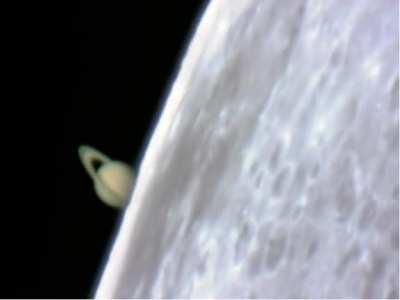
[[273, 170]]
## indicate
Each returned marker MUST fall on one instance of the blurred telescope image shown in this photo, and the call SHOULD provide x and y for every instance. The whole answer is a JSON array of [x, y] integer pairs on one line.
[[222, 149]]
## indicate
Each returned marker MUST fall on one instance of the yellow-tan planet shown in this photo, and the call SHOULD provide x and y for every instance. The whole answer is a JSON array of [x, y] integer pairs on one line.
[[112, 179]]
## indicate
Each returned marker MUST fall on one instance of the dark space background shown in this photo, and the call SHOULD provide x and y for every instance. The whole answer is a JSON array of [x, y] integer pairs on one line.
[[120, 59]]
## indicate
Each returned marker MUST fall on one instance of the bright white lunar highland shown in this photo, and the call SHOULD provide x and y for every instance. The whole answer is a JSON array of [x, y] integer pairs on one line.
[[274, 170]]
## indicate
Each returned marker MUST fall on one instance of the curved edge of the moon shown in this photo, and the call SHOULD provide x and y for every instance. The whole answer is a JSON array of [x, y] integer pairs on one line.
[[113, 269]]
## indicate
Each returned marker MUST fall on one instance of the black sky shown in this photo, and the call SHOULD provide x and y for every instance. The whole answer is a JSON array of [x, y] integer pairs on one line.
[[120, 58]]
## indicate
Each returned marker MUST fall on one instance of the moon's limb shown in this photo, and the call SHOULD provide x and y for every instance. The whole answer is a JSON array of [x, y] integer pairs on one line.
[[273, 170], [112, 180]]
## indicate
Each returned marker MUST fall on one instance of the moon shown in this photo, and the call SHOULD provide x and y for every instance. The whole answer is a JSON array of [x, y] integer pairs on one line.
[[273, 170]]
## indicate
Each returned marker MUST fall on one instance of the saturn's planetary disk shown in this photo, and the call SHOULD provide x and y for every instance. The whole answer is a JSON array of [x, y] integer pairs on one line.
[[112, 179]]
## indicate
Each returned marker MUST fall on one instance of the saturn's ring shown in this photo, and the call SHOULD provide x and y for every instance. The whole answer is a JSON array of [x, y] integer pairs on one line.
[[89, 156]]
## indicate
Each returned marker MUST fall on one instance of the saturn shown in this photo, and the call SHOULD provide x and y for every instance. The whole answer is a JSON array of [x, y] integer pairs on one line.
[[112, 179]]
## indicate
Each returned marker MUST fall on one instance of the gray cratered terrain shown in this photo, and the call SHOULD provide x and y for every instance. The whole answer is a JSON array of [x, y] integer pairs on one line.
[[273, 170]]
